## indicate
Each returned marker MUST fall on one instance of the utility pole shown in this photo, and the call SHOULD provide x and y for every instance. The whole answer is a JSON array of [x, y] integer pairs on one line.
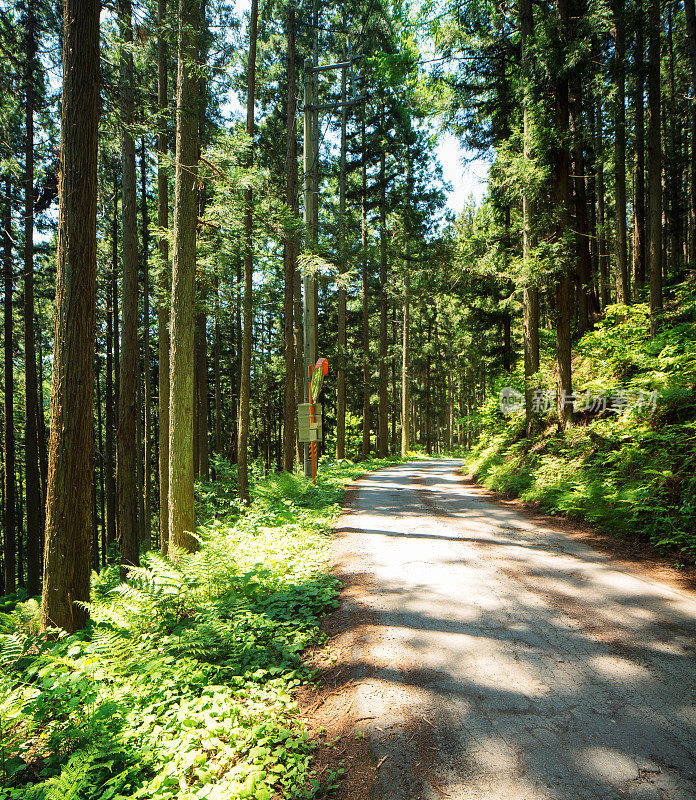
[[311, 205]]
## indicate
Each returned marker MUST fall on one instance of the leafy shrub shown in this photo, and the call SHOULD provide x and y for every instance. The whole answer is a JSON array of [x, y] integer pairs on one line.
[[632, 473]]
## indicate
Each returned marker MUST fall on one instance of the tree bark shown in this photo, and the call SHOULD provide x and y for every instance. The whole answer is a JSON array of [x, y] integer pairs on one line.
[[217, 357], [299, 351], [673, 157], [147, 393], [365, 452], [428, 393], [245, 387], [34, 530], [182, 519], [10, 525], [342, 260], [110, 481], [165, 282], [654, 168], [690, 13], [67, 557], [561, 196], [126, 477], [289, 257], [602, 255], [102, 492], [530, 292], [582, 238], [383, 311], [622, 289], [201, 415], [639, 165], [405, 336]]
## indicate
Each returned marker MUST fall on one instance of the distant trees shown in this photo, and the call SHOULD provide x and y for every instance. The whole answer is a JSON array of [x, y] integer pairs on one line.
[[575, 190]]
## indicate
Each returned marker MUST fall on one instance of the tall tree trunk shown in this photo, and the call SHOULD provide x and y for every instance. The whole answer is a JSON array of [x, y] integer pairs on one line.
[[530, 293], [654, 167], [342, 260], [67, 561], [201, 462], [405, 338], [115, 315], [428, 393], [245, 387], [299, 350], [182, 518], [41, 425], [394, 386], [217, 357], [603, 257], [383, 311], [690, 13], [110, 465], [639, 165], [10, 528], [201, 415], [237, 363], [289, 258], [582, 239], [102, 488], [673, 158], [31, 429], [126, 477], [561, 196], [147, 399], [165, 283], [365, 452], [622, 292]]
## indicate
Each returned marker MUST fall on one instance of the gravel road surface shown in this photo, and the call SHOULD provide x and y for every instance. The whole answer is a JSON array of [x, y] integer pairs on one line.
[[508, 661]]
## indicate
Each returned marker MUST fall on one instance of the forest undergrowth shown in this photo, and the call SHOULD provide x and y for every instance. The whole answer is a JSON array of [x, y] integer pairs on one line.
[[629, 467], [182, 683]]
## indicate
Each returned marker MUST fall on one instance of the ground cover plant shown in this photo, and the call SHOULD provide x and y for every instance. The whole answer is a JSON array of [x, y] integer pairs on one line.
[[182, 684], [632, 469]]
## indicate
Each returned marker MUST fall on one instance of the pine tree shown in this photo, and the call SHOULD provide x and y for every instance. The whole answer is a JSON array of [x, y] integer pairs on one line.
[[68, 502]]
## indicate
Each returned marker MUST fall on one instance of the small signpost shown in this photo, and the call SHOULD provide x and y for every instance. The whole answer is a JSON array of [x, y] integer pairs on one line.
[[309, 431], [309, 414]]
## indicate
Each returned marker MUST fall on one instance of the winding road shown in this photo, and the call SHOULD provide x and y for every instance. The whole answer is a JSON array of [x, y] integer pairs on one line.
[[509, 661]]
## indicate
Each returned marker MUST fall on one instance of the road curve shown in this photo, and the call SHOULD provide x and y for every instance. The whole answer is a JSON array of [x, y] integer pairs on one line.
[[506, 661]]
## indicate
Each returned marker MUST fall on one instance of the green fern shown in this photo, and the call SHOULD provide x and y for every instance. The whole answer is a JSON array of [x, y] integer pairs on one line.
[[73, 778], [12, 648]]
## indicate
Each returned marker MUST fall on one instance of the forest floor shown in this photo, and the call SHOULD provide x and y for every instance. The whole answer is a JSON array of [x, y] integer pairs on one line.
[[483, 649]]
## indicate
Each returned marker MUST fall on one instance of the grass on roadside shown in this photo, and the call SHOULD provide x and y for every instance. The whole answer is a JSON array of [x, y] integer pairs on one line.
[[632, 471], [181, 686]]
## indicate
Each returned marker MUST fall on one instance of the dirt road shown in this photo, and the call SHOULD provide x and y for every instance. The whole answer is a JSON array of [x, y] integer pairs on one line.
[[505, 660]]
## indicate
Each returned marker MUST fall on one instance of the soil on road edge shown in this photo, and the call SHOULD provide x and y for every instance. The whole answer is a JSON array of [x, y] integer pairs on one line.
[[327, 706]]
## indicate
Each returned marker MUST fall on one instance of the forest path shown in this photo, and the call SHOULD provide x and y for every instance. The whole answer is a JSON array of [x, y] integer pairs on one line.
[[505, 660]]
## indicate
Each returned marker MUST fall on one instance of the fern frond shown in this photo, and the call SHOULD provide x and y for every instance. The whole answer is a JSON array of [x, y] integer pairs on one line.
[[73, 777], [11, 649]]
